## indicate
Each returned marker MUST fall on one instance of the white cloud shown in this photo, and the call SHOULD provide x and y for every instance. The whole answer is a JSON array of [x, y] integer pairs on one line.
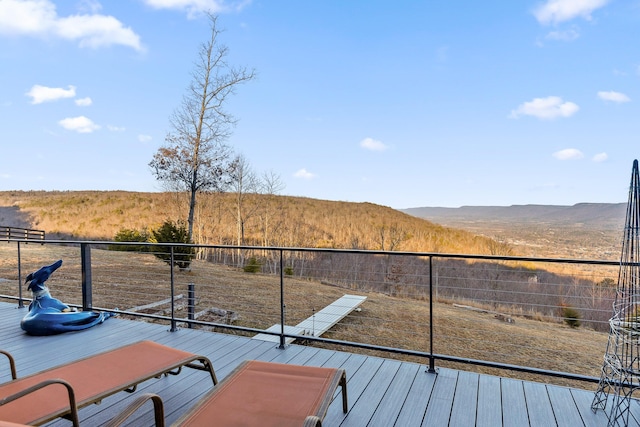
[[80, 124], [83, 102], [97, 31], [568, 154], [144, 138], [564, 36], [556, 11], [304, 174], [548, 108], [90, 5], [600, 157], [40, 94], [196, 7], [372, 144], [26, 17], [115, 128], [40, 18], [613, 96]]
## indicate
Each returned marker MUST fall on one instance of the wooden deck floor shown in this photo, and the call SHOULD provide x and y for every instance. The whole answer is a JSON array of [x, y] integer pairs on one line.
[[381, 392]]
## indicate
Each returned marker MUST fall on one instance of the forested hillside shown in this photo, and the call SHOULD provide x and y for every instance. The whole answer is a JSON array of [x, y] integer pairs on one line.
[[228, 219]]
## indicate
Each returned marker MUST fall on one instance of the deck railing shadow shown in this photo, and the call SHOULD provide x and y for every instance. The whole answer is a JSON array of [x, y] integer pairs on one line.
[[517, 309]]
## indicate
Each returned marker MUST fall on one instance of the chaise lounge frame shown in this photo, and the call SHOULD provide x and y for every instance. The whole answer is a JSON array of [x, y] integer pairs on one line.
[[259, 394], [61, 391]]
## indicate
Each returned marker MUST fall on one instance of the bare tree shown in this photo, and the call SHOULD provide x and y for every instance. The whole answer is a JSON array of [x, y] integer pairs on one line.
[[243, 183], [195, 157], [391, 237], [271, 184]]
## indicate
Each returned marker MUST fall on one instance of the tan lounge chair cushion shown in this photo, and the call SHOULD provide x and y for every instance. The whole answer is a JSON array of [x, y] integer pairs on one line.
[[91, 378], [267, 394]]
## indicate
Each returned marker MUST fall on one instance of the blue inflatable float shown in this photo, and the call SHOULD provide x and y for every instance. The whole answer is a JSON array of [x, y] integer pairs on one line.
[[48, 315]]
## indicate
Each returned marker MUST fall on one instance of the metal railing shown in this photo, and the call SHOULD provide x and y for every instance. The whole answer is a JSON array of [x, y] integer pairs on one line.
[[15, 233], [415, 304]]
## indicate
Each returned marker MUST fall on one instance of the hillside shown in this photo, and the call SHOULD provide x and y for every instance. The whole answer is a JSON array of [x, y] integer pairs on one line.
[[263, 220], [584, 230]]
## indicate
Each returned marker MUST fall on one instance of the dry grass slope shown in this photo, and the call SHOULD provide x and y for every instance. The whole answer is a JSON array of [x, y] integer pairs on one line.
[[267, 220]]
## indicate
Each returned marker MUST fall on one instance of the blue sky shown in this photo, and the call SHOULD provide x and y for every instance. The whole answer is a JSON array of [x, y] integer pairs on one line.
[[402, 104]]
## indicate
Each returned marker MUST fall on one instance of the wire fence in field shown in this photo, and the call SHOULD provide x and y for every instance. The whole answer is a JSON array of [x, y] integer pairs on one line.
[[545, 314]]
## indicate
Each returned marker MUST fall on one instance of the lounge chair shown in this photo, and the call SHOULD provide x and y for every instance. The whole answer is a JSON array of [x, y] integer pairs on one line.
[[260, 394], [61, 391]]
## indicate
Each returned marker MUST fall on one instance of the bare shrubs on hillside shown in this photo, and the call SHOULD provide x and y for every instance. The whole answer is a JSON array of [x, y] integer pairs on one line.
[[506, 287]]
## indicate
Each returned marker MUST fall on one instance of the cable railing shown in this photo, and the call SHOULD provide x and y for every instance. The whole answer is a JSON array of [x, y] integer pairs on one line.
[[540, 316]]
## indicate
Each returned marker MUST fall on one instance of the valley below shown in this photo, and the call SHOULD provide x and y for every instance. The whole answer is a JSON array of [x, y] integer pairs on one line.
[[591, 231]]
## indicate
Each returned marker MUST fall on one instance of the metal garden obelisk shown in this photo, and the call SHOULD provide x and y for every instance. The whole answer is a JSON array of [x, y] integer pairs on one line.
[[620, 377]]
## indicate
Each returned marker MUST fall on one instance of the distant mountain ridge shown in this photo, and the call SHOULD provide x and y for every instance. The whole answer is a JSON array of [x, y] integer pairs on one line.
[[604, 216], [584, 230]]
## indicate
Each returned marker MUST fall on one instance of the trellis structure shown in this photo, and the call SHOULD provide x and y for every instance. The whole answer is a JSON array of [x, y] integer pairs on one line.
[[620, 376]]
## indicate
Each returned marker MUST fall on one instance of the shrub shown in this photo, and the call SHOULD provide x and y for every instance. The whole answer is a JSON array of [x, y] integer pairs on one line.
[[130, 235], [288, 271], [253, 266], [570, 315], [170, 232]]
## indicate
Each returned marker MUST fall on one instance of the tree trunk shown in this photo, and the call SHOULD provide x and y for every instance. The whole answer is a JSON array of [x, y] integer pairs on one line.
[[192, 208]]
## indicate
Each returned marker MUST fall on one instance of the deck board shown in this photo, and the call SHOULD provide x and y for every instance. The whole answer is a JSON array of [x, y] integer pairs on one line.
[[415, 404], [441, 402], [374, 392], [564, 408], [381, 392], [538, 404], [514, 404], [357, 382], [466, 396], [583, 399], [489, 412], [391, 403]]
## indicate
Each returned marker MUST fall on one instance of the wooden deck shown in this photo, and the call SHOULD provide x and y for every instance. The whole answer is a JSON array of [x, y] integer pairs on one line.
[[382, 392]]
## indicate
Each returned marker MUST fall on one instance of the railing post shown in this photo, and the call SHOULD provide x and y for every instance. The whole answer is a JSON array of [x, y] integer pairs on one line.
[[20, 302], [191, 303], [87, 291], [173, 291], [282, 307], [432, 361]]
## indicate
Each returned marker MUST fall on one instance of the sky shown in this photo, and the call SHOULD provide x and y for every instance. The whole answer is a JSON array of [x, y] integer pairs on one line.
[[402, 104]]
